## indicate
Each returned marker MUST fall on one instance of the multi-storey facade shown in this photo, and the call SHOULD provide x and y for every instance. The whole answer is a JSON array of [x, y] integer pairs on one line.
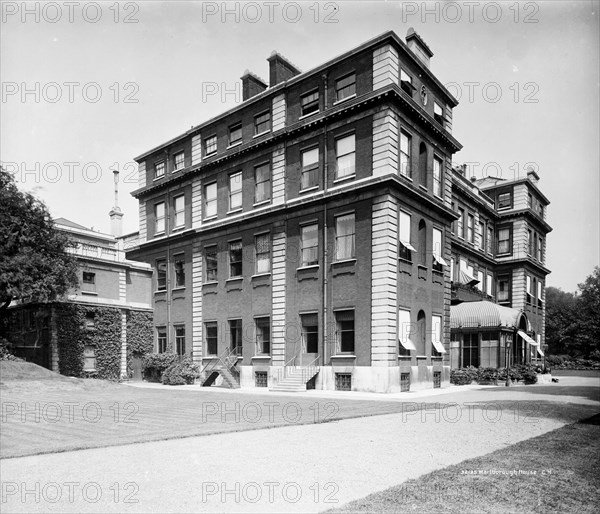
[[107, 282], [498, 255], [305, 234]]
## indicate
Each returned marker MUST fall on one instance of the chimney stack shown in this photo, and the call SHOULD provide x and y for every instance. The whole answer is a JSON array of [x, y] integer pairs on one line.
[[418, 47], [115, 214], [533, 176], [280, 69], [252, 85]]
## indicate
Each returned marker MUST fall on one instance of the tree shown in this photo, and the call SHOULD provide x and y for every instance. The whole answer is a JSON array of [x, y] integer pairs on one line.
[[561, 322], [589, 312], [34, 263]]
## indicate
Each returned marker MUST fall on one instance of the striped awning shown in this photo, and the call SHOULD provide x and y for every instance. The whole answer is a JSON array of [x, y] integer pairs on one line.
[[466, 279], [483, 314]]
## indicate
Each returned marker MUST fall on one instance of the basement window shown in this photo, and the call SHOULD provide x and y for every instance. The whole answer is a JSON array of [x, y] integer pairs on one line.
[[404, 382], [260, 378], [343, 382]]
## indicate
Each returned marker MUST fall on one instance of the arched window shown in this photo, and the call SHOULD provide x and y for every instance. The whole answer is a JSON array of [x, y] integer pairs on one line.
[[421, 334], [423, 164], [422, 243]]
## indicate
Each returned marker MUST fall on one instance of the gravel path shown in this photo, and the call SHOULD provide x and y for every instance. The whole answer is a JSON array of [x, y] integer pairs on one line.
[[306, 468]]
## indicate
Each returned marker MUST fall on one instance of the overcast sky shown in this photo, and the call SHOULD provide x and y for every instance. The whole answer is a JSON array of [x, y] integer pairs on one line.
[[106, 84]]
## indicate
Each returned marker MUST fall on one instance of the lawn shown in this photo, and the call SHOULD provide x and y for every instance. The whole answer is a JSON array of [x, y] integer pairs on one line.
[[555, 472]]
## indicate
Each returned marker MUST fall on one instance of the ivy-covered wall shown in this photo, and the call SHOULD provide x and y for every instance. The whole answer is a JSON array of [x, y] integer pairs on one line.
[[74, 333], [140, 336]]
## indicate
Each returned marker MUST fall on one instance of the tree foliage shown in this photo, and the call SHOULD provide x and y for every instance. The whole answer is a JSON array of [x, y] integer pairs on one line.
[[34, 263], [572, 319]]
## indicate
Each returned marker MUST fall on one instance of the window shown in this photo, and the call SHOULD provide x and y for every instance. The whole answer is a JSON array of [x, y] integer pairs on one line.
[[404, 333], [89, 279], [179, 271], [179, 161], [343, 382], [235, 336], [438, 113], [235, 134], [345, 87], [437, 379], [159, 169], [310, 332], [345, 331], [461, 223], [310, 245], [480, 281], [540, 209], [438, 250], [310, 168], [89, 358], [406, 83], [490, 240], [263, 335], [437, 177], [260, 379], [180, 339], [161, 339], [423, 163], [452, 264], [422, 244], [210, 145], [159, 213], [235, 259], [210, 254], [405, 245], [436, 336], [262, 247], [504, 245], [179, 208], [161, 275], [470, 224], [481, 235], [503, 289], [404, 382], [470, 350], [344, 237], [210, 337], [529, 200], [530, 240], [504, 200], [309, 103], [345, 150], [489, 285], [262, 123], [262, 183], [235, 191], [210, 200], [540, 289], [540, 248], [405, 151], [90, 320], [528, 288]]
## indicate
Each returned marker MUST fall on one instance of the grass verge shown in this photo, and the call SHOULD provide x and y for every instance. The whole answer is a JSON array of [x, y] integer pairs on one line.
[[555, 472]]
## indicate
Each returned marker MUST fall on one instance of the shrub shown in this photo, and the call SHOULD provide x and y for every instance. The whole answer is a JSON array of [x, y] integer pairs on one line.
[[5, 354], [180, 373], [530, 377], [487, 376], [154, 364], [514, 373], [463, 376]]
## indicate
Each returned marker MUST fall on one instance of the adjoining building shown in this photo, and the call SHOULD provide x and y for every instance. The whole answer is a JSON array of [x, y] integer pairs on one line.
[[303, 238], [87, 334]]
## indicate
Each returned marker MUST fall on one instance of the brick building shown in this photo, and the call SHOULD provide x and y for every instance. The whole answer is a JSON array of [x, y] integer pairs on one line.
[[303, 238], [108, 282]]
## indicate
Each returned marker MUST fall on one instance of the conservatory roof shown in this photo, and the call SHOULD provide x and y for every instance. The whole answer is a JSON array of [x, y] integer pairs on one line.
[[483, 314]]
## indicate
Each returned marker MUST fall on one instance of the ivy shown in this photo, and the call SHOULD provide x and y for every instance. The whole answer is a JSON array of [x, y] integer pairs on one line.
[[140, 339], [74, 336]]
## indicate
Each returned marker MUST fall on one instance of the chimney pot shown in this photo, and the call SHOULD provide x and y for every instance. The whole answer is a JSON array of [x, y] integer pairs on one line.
[[252, 85], [280, 69]]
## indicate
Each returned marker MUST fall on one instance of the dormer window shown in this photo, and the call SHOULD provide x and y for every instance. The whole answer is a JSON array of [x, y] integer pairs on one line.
[[210, 145], [406, 83], [159, 169], [179, 161], [438, 113], [309, 103], [504, 201], [345, 87]]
